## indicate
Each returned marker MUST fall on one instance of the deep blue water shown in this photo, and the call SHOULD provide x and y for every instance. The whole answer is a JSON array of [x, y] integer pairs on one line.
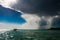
[[10, 16]]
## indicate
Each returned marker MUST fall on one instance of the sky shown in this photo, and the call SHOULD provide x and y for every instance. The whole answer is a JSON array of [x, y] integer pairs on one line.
[[11, 16], [35, 14], [41, 7]]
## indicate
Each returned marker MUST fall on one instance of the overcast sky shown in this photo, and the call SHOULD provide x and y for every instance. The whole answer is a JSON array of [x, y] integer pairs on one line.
[[48, 7], [39, 7]]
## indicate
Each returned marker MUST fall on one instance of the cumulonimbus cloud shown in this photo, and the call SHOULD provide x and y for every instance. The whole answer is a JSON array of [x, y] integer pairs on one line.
[[32, 19]]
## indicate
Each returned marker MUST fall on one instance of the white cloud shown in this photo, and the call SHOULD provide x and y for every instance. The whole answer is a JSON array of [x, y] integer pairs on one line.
[[32, 23], [32, 19], [8, 3]]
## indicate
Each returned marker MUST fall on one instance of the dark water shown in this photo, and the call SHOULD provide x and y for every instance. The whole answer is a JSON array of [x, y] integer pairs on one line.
[[31, 35]]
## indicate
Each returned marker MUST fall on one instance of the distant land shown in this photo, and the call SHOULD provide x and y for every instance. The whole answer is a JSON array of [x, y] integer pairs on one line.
[[54, 29]]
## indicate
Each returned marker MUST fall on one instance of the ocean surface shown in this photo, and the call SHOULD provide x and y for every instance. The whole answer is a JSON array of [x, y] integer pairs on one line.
[[30, 35]]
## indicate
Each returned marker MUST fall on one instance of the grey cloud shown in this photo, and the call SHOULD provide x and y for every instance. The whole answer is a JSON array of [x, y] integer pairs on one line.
[[41, 7]]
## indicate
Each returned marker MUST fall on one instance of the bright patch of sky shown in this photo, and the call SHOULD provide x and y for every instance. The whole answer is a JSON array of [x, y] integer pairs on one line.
[[7, 3]]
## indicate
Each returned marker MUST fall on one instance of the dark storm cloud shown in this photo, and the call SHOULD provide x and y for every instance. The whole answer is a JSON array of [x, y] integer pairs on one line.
[[48, 7], [56, 22], [41, 8]]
